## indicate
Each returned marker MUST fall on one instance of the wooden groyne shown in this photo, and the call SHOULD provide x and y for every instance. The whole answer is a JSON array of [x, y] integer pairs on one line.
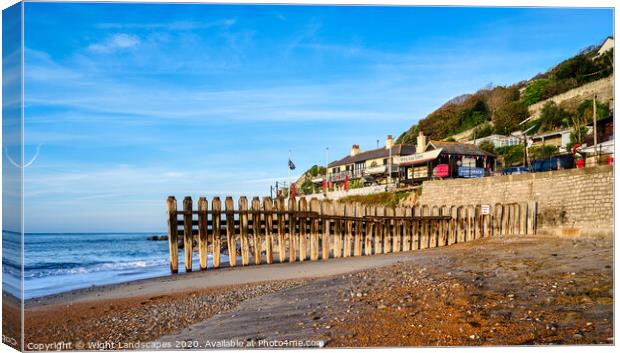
[[300, 230]]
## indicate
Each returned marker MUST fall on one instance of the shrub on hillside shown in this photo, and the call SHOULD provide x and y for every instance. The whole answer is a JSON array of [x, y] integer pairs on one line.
[[510, 155], [542, 152], [482, 130], [533, 91], [553, 117], [508, 117], [487, 146]]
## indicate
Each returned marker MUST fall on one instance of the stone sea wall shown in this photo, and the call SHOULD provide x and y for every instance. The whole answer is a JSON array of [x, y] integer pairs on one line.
[[575, 198]]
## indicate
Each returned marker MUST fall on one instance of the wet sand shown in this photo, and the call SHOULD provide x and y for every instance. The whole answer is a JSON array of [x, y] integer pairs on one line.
[[518, 290]]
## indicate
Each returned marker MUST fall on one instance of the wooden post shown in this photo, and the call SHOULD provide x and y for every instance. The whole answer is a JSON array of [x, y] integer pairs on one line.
[[292, 230], [434, 239], [461, 224], [303, 242], [338, 229], [398, 233], [327, 209], [349, 211], [443, 240], [173, 233], [268, 207], [497, 228], [256, 230], [360, 212], [452, 237], [387, 231], [280, 206], [188, 238], [315, 206], [406, 212], [202, 232], [216, 207], [243, 230], [424, 228], [379, 229], [230, 231], [370, 230], [415, 229]]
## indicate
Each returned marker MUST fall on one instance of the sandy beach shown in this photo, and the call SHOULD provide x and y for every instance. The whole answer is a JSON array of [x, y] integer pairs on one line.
[[500, 291]]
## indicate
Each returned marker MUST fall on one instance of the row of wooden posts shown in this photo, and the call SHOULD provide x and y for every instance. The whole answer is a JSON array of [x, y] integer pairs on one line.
[[300, 230]]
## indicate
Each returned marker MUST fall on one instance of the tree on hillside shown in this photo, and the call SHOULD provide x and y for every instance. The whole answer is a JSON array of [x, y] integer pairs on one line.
[[508, 117], [487, 146], [553, 117], [533, 91]]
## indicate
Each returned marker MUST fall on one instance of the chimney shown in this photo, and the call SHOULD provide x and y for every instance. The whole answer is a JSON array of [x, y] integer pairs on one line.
[[389, 142], [355, 149], [421, 146]]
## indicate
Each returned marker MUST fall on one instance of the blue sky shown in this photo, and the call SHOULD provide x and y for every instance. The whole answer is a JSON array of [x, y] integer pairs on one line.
[[129, 103]]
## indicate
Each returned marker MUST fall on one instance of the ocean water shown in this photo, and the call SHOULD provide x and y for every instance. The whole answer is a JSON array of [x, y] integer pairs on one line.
[[55, 263]]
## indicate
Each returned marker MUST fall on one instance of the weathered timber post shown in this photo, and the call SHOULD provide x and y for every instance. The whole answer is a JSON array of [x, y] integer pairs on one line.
[[280, 206], [388, 230], [315, 206], [443, 226], [497, 229], [349, 211], [256, 231], [370, 229], [415, 231], [523, 218], [216, 207], [243, 230], [327, 209], [406, 212], [433, 228], [230, 231], [461, 223], [303, 244], [202, 233], [292, 230], [398, 233], [268, 208], [188, 238], [379, 229], [360, 212], [424, 228], [452, 236], [173, 233], [338, 229]]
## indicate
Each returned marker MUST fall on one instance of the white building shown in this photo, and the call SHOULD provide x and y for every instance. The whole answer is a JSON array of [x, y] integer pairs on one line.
[[497, 140]]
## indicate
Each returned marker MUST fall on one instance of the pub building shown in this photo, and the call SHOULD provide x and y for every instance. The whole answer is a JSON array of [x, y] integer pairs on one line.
[[443, 159]]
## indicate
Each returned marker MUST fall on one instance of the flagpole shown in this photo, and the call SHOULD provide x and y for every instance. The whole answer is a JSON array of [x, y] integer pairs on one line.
[[290, 187]]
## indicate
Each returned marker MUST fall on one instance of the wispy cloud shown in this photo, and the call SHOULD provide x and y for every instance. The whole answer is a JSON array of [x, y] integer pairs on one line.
[[119, 41], [170, 26]]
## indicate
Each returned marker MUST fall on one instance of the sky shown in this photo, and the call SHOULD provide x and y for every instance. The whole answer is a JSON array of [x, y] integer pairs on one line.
[[126, 104]]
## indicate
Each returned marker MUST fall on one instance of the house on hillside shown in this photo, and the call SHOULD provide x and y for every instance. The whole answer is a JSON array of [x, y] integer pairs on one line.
[[604, 139], [367, 167], [607, 45], [558, 139], [442, 159], [497, 140]]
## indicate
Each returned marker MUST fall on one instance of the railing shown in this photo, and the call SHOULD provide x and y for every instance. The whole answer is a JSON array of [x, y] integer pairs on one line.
[[301, 230]]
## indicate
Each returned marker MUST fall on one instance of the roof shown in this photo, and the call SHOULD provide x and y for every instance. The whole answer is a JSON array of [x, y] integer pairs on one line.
[[603, 121], [551, 133], [397, 150], [458, 148]]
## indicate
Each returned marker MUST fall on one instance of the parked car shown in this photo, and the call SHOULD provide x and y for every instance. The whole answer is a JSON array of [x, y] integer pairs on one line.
[[566, 161], [515, 170]]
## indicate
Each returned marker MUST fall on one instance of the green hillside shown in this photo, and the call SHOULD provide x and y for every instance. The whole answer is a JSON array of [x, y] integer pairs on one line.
[[500, 109]]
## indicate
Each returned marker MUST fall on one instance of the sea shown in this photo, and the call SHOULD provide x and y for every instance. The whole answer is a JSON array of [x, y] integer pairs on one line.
[[59, 262]]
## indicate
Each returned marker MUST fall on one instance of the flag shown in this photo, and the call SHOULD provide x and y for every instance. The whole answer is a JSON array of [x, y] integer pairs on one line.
[[291, 165], [293, 190], [346, 183], [325, 184]]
